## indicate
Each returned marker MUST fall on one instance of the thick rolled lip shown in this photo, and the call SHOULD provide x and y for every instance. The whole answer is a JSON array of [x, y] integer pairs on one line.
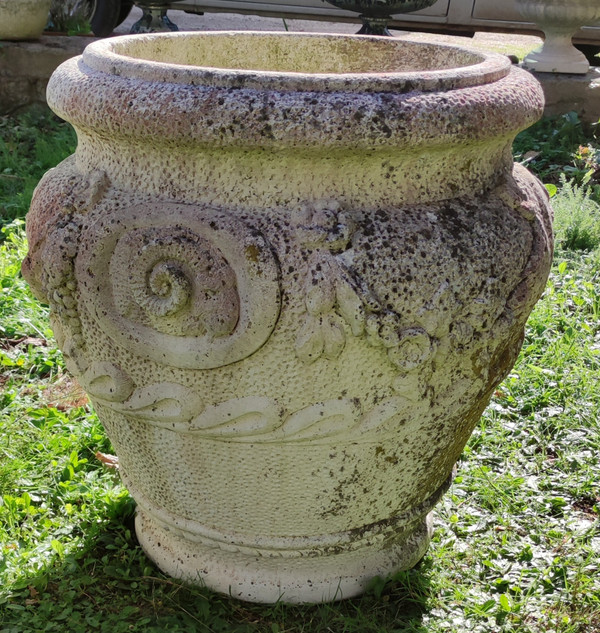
[[111, 56]]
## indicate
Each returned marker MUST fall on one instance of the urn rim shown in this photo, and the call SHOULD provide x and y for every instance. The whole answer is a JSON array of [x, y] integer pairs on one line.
[[352, 62]]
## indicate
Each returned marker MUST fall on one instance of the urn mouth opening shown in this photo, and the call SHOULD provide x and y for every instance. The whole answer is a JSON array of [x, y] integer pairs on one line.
[[295, 61]]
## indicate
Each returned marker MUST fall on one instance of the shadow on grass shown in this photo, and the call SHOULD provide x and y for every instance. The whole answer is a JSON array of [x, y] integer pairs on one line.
[[108, 585]]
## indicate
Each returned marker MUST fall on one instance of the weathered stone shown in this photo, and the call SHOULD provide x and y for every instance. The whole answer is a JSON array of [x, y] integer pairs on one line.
[[572, 93], [301, 264]]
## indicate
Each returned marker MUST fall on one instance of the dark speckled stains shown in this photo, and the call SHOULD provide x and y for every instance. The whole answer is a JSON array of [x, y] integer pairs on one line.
[[385, 459], [453, 222], [267, 132], [344, 492]]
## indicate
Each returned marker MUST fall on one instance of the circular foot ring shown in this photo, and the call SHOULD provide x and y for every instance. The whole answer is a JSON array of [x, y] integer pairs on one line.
[[274, 579]]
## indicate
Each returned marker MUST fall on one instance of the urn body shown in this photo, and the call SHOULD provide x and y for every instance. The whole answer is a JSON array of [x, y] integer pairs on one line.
[[289, 270]]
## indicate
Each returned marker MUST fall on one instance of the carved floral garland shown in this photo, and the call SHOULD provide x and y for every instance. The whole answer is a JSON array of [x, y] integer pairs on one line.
[[332, 296]]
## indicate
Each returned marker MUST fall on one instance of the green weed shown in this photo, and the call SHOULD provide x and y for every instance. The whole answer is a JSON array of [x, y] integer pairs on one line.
[[21, 315], [70, 16], [576, 217], [561, 147], [29, 146]]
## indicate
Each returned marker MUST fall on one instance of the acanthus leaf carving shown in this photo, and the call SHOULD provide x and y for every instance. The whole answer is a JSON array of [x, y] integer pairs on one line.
[[334, 337], [324, 224], [104, 380], [164, 402], [382, 413], [350, 306], [309, 341], [319, 287], [322, 419], [256, 419]]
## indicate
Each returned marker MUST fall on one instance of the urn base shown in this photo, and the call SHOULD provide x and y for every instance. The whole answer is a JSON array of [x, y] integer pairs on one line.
[[559, 56], [289, 579]]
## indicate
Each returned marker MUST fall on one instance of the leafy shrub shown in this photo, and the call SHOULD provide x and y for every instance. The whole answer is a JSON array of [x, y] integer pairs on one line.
[[561, 146], [70, 16], [576, 217]]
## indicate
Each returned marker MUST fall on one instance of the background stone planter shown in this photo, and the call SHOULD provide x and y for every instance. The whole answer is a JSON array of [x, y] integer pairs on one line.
[[23, 19], [290, 271], [560, 20]]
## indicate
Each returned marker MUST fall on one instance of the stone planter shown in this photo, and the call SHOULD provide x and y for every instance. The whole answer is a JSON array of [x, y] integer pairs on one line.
[[154, 17], [560, 20], [23, 19], [376, 15], [290, 271]]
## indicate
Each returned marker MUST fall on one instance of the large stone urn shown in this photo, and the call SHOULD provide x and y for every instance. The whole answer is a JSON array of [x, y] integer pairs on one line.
[[290, 271], [376, 15], [154, 17]]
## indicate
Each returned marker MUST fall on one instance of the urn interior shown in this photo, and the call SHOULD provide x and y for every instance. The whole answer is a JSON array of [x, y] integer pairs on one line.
[[238, 56], [307, 54]]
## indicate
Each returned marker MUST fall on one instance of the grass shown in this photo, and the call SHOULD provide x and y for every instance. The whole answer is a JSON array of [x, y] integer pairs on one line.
[[29, 146], [561, 149], [577, 223], [69, 16], [517, 540]]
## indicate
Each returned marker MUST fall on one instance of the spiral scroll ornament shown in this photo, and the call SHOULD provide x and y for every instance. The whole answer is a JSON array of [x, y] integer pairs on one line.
[[177, 283], [167, 289], [184, 285]]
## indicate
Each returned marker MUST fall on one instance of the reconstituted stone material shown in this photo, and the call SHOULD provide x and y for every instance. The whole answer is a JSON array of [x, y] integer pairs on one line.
[[291, 292], [572, 93]]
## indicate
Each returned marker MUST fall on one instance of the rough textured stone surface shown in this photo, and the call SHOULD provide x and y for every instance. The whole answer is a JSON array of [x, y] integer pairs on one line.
[[289, 293], [25, 68]]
